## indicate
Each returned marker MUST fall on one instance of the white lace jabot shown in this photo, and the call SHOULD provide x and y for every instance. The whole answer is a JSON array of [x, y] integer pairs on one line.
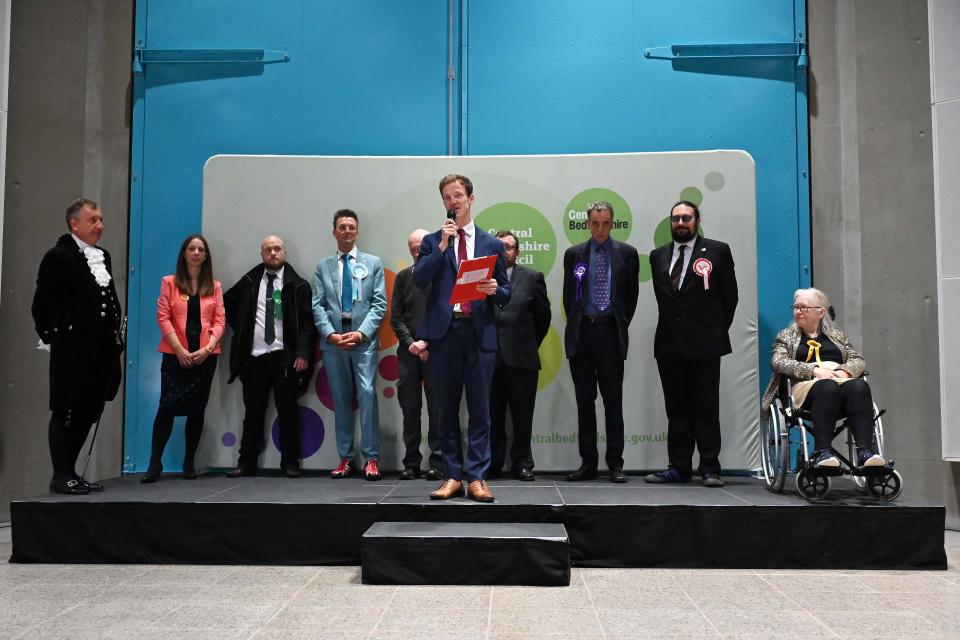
[[97, 267]]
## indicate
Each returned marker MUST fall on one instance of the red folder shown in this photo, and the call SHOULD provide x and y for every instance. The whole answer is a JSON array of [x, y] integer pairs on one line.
[[470, 274]]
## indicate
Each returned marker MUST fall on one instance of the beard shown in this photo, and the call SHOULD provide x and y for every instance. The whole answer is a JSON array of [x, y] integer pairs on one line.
[[685, 235]]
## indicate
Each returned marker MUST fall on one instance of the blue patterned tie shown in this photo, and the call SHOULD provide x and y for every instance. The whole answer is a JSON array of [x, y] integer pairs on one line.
[[601, 293], [346, 293]]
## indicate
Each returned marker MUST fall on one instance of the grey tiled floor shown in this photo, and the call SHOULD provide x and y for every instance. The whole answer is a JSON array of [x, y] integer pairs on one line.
[[78, 602]]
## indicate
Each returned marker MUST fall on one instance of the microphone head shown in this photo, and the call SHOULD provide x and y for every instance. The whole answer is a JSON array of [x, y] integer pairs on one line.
[[451, 214]]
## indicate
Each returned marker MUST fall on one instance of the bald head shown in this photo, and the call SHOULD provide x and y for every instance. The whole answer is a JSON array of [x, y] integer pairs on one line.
[[273, 252], [413, 242]]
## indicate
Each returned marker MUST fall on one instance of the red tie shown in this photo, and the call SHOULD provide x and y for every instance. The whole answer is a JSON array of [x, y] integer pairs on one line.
[[461, 256]]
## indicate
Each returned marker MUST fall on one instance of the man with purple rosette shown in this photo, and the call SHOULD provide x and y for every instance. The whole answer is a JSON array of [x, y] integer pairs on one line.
[[601, 281], [696, 289]]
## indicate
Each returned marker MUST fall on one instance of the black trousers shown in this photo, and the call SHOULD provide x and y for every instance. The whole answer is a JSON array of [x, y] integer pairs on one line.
[[66, 433], [413, 384], [691, 393], [597, 364], [515, 389], [264, 374], [829, 401]]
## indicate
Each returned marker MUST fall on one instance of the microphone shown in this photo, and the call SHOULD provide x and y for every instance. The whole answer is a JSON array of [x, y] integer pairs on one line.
[[451, 214]]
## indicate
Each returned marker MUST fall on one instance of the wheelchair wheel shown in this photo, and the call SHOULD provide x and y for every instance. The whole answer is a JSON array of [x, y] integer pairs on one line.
[[887, 486], [774, 449], [812, 486]]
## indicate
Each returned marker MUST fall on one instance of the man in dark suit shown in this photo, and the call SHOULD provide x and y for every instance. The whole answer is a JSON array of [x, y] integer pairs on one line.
[[522, 325], [696, 290], [406, 313], [270, 310], [601, 281], [77, 312], [462, 338]]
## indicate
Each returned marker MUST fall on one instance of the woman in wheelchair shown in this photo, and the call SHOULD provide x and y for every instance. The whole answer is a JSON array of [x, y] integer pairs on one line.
[[825, 371]]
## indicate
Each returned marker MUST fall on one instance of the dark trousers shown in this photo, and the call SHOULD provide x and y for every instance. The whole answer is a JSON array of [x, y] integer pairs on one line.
[[412, 385], [829, 401], [691, 393], [515, 389], [66, 435], [597, 363], [461, 365], [264, 374], [162, 428]]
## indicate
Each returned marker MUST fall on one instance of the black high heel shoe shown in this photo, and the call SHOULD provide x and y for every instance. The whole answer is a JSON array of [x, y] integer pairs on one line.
[[151, 476]]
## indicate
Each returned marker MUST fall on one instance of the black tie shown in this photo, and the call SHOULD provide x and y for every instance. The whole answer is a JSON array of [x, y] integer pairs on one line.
[[269, 334], [677, 268]]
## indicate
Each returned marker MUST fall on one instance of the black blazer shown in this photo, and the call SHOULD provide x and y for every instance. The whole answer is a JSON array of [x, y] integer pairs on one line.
[[523, 322], [299, 332], [693, 322], [406, 308], [624, 289], [80, 320]]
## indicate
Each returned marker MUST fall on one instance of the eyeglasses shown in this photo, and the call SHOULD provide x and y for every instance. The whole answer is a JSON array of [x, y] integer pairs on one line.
[[802, 309], [507, 245], [686, 217]]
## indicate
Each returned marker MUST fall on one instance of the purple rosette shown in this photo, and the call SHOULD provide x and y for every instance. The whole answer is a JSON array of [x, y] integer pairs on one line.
[[579, 270]]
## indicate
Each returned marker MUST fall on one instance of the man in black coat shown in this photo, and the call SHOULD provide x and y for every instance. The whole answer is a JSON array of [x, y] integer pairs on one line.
[[522, 325], [696, 290], [601, 281], [406, 313], [270, 312], [77, 312]]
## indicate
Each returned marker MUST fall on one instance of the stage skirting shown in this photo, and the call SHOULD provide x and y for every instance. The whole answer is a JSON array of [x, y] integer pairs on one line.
[[320, 521]]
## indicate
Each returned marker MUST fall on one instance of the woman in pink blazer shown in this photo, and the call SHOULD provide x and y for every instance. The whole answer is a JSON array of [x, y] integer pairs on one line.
[[191, 318]]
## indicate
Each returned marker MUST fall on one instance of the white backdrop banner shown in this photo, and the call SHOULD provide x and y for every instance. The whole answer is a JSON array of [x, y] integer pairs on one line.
[[540, 198]]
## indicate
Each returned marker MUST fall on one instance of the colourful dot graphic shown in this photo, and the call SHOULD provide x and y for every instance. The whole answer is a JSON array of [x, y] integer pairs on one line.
[[311, 432], [389, 368], [228, 439]]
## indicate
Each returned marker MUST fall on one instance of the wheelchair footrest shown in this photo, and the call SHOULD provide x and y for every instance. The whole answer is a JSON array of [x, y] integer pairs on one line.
[[824, 471], [872, 472]]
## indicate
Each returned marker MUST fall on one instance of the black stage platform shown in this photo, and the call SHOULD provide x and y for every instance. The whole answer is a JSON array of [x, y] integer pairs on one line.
[[315, 520]]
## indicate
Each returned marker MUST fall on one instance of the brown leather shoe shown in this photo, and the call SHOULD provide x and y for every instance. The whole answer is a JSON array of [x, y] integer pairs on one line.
[[479, 491], [449, 489]]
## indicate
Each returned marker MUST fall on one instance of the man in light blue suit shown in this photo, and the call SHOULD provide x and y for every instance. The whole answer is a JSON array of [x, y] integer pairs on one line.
[[462, 338], [349, 302]]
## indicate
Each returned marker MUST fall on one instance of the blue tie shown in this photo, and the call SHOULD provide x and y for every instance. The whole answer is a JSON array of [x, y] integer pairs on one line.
[[346, 293]]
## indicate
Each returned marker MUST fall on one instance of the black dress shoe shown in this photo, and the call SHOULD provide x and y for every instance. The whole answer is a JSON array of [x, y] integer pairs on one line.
[[151, 476], [525, 474], [583, 473], [618, 476], [410, 473], [69, 488], [433, 474], [190, 474], [291, 470], [241, 471], [90, 486]]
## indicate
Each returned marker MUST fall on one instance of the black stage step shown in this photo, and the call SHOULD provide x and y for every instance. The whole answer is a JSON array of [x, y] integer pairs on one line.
[[509, 553], [315, 520]]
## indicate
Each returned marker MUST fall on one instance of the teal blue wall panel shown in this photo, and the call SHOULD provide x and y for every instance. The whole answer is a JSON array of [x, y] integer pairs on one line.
[[369, 77]]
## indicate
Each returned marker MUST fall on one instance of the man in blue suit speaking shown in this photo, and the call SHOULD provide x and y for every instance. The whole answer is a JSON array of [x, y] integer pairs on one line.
[[462, 338], [349, 302]]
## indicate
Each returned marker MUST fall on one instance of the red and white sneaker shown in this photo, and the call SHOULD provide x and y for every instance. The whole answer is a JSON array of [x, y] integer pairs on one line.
[[343, 470], [370, 470]]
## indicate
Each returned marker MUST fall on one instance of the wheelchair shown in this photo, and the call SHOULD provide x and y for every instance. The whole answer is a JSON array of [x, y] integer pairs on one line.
[[789, 428]]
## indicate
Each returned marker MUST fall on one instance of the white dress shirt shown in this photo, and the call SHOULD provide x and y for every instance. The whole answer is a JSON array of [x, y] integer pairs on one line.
[[260, 346], [686, 257]]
